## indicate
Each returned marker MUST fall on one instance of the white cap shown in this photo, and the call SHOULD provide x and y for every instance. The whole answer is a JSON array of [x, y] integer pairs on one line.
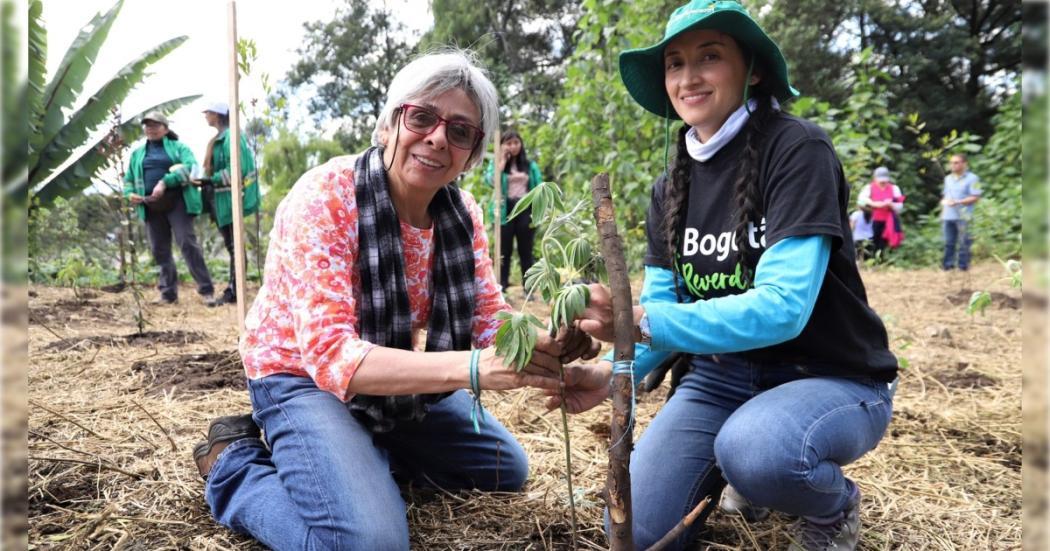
[[219, 107]]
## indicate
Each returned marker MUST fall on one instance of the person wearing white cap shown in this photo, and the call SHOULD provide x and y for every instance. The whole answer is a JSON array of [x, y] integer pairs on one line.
[[217, 184], [157, 182]]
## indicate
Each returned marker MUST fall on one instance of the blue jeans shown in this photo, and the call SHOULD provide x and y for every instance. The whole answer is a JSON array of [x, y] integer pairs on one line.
[[956, 233], [776, 434], [327, 482]]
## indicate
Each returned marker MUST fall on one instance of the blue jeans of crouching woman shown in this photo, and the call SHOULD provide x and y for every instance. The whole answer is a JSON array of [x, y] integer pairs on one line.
[[325, 482], [777, 434]]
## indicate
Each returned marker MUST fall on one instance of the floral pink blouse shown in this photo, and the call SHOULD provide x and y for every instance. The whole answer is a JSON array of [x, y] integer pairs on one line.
[[304, 319]]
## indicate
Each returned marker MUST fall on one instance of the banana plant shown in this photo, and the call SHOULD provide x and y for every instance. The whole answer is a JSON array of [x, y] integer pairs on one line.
[[566, 261], [56, 165]]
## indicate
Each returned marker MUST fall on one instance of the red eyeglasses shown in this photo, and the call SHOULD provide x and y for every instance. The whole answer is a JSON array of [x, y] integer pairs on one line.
[[423, 121]]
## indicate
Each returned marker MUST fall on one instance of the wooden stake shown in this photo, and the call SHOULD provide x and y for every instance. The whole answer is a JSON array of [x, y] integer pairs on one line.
[[618, 484], [235, 171], [497, 200]]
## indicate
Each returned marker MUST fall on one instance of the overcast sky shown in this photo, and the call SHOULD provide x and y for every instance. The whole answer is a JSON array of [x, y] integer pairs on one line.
[[199, 65]]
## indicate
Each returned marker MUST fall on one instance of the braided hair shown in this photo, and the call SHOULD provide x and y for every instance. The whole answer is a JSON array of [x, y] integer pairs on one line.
[[747, 196], [676, 196]]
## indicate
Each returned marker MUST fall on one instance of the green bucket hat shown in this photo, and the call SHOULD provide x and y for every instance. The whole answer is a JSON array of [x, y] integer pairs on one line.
[[642, 69]]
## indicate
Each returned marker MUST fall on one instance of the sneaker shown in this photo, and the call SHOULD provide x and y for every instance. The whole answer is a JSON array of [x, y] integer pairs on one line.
[[839, 534], [733, 503], [165, 301], [210, 301], [222, 432]]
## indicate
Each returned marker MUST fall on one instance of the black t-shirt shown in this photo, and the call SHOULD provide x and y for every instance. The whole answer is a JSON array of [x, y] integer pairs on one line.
[[804, 193]]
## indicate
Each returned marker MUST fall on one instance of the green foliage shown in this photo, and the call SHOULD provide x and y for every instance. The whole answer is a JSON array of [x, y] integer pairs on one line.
[[867, 132], [948, 58], [522, 43], [83, 229], [979, 301], [566, 258], [54, 136], [350, 61], [71, 273], [289, 156], [516, 338], [597, 127], [807, 32], [1034, 190], [569, 302]]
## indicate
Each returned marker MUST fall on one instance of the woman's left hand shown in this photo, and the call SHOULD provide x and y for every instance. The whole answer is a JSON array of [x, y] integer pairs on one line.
[[576, 344]]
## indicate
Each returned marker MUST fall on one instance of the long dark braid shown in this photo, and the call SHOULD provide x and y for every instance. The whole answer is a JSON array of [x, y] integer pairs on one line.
[[676, 196], [747, 195]]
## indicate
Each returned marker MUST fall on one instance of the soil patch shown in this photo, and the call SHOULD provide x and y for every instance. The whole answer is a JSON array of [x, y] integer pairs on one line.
[[65, 311], [176, 336], [948, 466], [1000, 300], [193, 372], [964, 379]]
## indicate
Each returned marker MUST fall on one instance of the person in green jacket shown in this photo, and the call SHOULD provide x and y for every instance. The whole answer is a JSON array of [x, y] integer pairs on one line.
[[217, 184], [157, 182], [519, 176]]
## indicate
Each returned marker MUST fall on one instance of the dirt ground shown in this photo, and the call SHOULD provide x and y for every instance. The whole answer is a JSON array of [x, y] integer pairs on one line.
[[113, 417]]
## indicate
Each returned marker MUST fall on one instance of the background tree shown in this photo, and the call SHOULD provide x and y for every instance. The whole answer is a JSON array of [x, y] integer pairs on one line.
[[523, 43], [350, 62], [811, 33], [951, 60]]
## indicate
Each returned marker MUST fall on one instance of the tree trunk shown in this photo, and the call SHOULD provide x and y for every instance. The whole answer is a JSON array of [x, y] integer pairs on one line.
[[618, 484]]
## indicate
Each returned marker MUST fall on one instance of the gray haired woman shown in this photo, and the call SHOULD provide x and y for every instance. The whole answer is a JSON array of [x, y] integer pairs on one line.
[[366, 253]]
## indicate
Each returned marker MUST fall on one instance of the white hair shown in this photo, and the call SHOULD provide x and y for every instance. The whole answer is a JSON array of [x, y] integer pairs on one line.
[[433, 74]]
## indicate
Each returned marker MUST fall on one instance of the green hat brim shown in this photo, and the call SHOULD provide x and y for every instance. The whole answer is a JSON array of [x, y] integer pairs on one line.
[[642, 69]]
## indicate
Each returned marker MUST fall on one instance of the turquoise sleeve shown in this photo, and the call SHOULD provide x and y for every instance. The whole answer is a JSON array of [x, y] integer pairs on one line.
[[787, 280]]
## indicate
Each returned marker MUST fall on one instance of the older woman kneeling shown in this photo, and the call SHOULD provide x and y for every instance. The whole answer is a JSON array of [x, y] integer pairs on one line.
[[365, 254]]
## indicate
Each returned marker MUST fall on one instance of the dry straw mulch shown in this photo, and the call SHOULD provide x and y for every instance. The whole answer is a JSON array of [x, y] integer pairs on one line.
[[113, 421]]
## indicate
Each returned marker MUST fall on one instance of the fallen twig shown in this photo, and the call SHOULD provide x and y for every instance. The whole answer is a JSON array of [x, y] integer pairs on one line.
[[98, 464], [55, 413], [174, 447]]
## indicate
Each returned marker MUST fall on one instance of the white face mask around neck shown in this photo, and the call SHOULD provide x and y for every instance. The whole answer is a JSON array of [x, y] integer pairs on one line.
[[703, 151]]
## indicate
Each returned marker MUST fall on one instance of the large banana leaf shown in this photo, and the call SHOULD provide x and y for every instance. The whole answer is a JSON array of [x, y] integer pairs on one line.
[[69, 78], [74, 178], [37, 66], [79, 127]]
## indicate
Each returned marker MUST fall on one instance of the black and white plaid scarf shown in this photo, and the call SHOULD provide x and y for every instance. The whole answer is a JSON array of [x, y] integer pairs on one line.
[[383, 309]]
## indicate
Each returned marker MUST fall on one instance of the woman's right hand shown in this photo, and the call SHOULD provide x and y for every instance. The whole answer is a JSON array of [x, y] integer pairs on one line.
[[135, 198]]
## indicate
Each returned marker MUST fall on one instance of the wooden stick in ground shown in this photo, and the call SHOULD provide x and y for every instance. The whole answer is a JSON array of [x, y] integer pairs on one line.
[[234, 140], [618, 484], [681, 527]]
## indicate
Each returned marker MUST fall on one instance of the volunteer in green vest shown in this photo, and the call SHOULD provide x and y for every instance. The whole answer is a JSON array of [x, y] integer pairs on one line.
[[217, 184], [158, 184]]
